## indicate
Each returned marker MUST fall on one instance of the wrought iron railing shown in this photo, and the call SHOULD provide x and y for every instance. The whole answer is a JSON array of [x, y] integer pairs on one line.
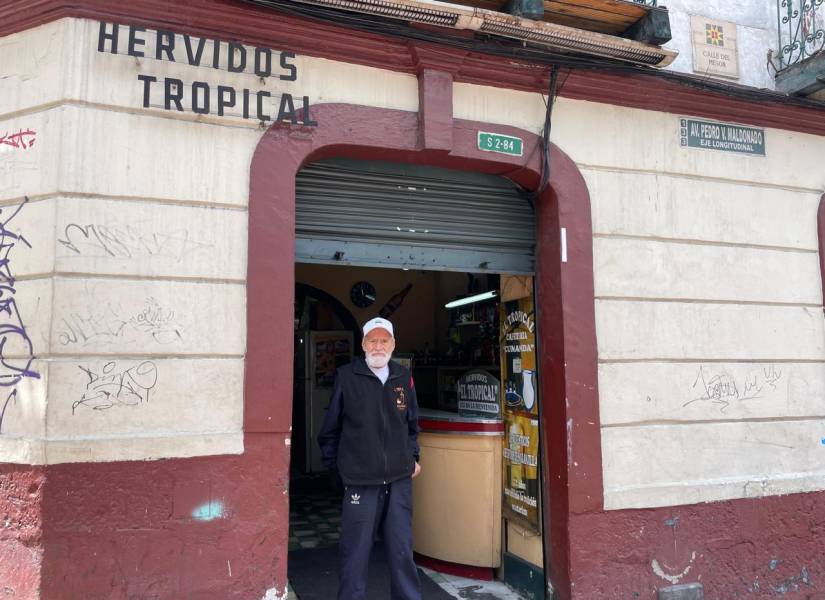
[[801, 26]]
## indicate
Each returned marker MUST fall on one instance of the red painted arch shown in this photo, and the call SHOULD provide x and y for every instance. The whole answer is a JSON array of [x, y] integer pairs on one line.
[[820, 234], [566, 320]]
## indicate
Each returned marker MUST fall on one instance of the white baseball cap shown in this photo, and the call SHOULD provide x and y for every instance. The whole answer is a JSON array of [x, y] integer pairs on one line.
[[378, 323]]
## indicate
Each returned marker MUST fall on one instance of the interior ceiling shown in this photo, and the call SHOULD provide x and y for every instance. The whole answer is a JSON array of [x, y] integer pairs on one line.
[[604, 16]]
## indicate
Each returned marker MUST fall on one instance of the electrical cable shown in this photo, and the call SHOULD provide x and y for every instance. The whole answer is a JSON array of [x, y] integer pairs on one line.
[[544, 178]]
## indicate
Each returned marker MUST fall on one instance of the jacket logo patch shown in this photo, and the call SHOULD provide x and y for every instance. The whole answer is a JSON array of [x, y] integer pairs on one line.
[[355, 499], [400, 398]]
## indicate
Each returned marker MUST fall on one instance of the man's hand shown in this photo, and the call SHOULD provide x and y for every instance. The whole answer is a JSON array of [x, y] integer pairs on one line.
[[417, 470], [334, 481]]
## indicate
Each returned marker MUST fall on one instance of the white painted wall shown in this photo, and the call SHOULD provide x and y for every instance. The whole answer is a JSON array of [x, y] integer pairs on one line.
[[708, 296], [708, 310], [137, 223], [709, 316], [755, 27]]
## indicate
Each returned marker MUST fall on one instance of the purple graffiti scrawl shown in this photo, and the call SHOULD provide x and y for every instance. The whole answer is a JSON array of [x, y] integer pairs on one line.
[[16, 350]]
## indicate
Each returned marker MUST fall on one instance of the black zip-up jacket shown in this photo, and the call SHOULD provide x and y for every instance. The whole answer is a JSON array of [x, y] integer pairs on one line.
[[370, 432]]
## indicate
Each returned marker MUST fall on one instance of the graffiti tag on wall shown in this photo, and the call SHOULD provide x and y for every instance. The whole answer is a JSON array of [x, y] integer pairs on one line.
[[128, 241], [22, 140], [16, 349], [721, 388], [106, 324], [113, 385]]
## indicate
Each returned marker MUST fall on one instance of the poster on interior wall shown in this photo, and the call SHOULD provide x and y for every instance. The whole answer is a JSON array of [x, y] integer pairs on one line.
[[520, 411], [332, 350]]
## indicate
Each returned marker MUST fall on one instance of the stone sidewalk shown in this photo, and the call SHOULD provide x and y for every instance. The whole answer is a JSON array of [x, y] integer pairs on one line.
[[462, 588]]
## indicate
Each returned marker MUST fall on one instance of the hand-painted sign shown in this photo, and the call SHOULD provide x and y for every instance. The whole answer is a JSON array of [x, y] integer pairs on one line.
[[478, 395], [722, 136], [503, 144], [520, 412], [200, 97]]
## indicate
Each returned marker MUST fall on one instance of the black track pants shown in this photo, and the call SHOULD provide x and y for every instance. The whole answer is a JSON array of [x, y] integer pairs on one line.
[[371, 509]]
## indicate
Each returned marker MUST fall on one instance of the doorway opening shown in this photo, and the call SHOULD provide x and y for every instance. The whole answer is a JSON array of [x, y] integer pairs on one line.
[[448, 257]]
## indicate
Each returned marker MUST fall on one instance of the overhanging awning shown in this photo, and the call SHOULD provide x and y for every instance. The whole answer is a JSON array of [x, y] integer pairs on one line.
[[613, 17], [554, 36]]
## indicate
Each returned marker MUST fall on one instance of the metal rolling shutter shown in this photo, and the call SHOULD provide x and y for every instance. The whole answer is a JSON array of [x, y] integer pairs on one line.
[[396, 215]]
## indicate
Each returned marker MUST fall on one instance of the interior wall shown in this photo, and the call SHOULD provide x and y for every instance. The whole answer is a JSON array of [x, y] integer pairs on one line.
[[448, 286], [421, 319], [413, 320]]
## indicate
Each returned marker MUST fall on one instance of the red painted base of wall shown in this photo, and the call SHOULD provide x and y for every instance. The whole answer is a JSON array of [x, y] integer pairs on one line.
[[21, 490], [134, 530], [126, 530], [210, 527], [757, 548]]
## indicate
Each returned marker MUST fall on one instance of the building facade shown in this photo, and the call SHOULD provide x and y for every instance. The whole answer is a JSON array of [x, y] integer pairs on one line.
[[147, 180]]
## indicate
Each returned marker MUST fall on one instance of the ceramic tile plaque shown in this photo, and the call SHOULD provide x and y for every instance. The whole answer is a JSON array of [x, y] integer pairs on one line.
[[714, 47]]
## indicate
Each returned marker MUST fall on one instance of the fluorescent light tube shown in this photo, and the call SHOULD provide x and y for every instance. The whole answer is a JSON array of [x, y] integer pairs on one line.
[[472, 299]]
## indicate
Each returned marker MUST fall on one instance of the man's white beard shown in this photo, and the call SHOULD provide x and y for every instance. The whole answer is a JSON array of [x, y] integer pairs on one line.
[[378, 360]]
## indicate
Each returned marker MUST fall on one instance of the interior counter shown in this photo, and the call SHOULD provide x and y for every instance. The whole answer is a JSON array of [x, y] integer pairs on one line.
[[457, 496]]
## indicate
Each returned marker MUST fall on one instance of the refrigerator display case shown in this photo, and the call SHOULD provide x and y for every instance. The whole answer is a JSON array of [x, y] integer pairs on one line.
[[325, 351]]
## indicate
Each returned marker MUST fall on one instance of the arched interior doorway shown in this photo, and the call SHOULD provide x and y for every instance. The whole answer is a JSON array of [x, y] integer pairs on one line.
[[315, 310]]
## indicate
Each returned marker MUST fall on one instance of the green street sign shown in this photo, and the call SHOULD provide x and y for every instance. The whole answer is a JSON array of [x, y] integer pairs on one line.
[[503, 144], [727, 137]]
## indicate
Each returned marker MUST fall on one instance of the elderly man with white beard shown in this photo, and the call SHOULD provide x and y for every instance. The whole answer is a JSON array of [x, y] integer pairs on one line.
[[370, 435]]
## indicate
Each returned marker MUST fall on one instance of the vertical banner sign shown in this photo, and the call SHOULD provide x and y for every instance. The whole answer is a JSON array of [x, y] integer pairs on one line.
[[520, 408]]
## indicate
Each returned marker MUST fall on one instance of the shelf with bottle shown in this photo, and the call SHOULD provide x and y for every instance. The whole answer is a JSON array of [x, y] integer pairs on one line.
[[394, 303], [473, 336]]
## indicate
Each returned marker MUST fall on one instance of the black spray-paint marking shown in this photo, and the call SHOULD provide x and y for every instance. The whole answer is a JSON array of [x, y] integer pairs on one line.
[[116, 386]]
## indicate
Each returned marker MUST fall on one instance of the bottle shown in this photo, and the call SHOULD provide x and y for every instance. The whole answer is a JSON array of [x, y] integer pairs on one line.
[[393, 303], [528, 389]]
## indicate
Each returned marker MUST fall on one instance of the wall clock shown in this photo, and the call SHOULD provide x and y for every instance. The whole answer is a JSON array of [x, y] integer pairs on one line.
[[362, 294]]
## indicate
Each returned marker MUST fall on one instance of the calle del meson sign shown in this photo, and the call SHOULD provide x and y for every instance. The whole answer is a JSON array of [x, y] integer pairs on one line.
[[200, 97]]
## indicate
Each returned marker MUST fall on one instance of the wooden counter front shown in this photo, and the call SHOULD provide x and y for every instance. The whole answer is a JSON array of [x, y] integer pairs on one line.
[[457, 497]]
